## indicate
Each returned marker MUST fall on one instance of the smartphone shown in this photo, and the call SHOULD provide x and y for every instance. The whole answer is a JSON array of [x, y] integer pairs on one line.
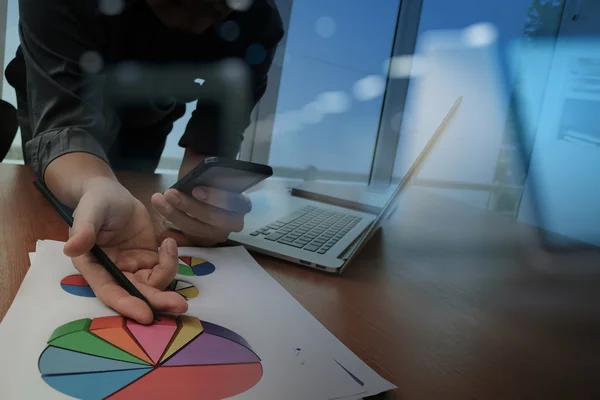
[[225, 174]]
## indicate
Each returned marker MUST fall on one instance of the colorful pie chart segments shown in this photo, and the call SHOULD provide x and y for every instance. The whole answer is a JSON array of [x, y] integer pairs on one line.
[[154, 338], [195, 266], [188, 328], [108, 358], [208, 382], [57, 361], [97, 385], [209, 349], [186, 289], [113, 330], [76, 285]]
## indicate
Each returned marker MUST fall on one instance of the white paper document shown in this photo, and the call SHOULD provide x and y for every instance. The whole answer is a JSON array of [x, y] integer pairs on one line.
[[298, 357]]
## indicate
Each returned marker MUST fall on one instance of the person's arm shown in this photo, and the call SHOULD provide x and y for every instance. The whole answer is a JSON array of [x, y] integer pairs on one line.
[[207, 218], [68, 177], [65, 102], [211, 215], [262, 27], [70, 135]]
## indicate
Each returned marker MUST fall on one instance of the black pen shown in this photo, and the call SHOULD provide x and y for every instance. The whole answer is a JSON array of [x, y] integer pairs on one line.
[[104, 260]]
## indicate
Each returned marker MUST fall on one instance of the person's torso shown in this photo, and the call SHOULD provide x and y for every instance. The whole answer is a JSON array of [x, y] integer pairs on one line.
[[136, 40]]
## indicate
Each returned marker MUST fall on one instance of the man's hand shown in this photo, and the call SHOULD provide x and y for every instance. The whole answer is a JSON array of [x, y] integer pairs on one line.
[[209, 215], [110, 216], [107, 214]]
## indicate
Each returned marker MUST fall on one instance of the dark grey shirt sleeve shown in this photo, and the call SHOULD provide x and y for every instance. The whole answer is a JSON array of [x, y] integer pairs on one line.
[[65, 103], [204, 132], [68, 108]]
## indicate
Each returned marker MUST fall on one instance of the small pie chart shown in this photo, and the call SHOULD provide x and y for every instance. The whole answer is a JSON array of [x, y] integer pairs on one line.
[[177, 357], [78, 286], [195, 266], [186, 289]]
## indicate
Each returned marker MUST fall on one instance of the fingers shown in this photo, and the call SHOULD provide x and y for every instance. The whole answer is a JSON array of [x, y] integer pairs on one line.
[[215, 216], [152, 268], [129, 306], [134, 260], [234, 202], [166, 269], [207, 218], [110, 293], [122, 302], [87, 221], [186, 223], [117, 298], [171, 302]]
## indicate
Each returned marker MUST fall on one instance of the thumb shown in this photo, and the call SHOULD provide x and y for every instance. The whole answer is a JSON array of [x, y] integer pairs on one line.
[[166, 269], [88, 218]]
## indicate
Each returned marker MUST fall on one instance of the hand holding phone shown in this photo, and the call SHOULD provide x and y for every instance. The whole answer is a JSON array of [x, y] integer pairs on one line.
[[207, 203], [225, 174]]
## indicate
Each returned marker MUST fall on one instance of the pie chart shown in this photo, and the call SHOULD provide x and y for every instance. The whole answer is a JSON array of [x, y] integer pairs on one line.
[[195, 266], [186, 289], [176, 357], [77, 285]]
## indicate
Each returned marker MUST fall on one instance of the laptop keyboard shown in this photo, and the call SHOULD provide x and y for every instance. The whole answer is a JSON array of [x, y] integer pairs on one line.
[[310, 228]]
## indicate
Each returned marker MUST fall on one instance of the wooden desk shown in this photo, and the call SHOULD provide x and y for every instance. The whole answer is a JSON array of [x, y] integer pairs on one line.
[[447, 302]]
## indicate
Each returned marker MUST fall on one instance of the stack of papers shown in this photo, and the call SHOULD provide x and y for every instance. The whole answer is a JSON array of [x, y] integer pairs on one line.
[[240, 322]]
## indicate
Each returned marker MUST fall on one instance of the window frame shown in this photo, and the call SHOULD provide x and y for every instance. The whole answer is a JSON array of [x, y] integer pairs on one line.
[[395, 95], [258, 137], [257, 142]]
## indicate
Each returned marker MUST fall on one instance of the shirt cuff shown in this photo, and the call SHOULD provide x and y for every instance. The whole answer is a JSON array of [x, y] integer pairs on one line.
[[45, 148]]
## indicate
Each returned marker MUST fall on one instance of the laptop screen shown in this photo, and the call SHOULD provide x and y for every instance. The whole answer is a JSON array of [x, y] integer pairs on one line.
[[414, 169], [390, 207]]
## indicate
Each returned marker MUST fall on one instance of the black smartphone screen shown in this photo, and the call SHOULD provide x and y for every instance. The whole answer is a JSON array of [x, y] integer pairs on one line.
[[230, 175]]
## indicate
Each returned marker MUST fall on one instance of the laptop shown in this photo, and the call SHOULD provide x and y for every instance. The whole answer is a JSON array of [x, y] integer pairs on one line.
[[319, 234]]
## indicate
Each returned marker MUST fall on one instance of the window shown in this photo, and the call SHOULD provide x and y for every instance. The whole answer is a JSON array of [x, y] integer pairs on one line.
[[333, 112], [475, 38], [330, 97]]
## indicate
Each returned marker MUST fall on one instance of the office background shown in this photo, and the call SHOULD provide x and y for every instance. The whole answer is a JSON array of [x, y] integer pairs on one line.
[[348, 101]]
